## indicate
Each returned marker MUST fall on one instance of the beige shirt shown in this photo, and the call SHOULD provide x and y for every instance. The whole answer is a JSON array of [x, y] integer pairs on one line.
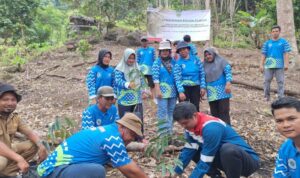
[[9, 127]]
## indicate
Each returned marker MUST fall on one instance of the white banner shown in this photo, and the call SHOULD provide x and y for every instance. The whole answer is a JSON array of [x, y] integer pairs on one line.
[[173, 25]]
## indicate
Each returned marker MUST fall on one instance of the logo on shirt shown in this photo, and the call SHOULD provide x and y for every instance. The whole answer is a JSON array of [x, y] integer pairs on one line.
[[292, 163], [98, 75], [98, 121], [141, 53], [183, 66]]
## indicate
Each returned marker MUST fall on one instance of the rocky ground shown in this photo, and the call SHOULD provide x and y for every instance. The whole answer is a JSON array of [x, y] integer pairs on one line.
[[53, 87]]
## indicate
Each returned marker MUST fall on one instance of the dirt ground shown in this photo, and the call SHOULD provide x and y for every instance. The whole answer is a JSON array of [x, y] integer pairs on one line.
[[52, 87]]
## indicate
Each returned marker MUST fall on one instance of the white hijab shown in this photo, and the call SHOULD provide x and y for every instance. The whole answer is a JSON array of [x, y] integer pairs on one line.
[[131, 73]]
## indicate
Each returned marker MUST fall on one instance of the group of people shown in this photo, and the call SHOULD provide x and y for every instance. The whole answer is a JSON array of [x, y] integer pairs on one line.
[[170, 79], [177, 81]]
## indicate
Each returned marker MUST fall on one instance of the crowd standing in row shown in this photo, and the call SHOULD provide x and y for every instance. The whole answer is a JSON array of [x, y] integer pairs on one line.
[[114, 117]]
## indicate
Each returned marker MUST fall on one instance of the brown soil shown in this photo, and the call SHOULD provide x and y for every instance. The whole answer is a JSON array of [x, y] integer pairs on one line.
[[61, 92]]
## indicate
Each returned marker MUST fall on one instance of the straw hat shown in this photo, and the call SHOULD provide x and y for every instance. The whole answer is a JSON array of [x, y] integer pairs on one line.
[[132, 122]]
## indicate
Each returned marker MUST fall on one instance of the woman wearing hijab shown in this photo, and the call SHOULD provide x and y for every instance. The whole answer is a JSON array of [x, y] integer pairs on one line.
[[165, 88], [218, 79], [100, 74], [128, 84]]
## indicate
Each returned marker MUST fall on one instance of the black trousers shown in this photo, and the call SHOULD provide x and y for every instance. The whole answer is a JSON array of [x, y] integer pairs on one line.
[[192, 94], [233, 160], [220, 109], [136, 109]]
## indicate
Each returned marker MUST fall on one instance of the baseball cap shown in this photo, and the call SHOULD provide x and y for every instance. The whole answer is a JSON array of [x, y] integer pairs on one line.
[[105, 91]]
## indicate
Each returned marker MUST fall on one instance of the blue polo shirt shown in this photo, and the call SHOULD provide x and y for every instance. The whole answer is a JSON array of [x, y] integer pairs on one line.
[[274, 52], [94, 117], [216, 89], [98, 77], [145, 59], [189, 72], [165, 78], [100, 145], [288, 161]]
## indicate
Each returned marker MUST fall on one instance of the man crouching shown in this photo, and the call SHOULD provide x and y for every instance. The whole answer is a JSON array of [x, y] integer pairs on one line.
[[14, 157], [212, 144], [84, 154]]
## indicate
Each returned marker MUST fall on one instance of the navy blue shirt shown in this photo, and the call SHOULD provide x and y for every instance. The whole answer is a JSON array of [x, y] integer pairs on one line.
[[209, 135]]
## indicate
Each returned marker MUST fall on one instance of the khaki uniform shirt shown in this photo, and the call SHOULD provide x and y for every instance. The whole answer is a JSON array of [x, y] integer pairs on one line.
[[9, 127]]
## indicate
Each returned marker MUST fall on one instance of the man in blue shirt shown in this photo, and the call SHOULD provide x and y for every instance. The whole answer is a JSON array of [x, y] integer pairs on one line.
[[286, 112], [84, 154], [213, 144], [102, 113], [145, 58], [274, 61], [187, 39]]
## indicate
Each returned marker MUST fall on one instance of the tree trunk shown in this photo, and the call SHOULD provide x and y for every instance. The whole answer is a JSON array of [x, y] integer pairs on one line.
[[210, 41], [285, 18]]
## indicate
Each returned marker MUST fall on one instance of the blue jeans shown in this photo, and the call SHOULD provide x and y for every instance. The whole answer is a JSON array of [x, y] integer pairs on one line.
[[165, 108], [83, 170]]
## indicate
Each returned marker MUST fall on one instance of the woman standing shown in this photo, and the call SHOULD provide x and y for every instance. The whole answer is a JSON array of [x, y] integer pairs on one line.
[[218, 79], [128, 84], [189, 76], [165, 88], [99, 75]]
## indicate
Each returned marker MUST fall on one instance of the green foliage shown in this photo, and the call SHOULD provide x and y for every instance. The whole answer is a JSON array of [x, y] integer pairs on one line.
[[132, 76], [82, 47], [108, 12], [297, 20], [16, 16], [136, 19], [49, 26], [157, 147], [61, 129], [258, 25], [17, 55]]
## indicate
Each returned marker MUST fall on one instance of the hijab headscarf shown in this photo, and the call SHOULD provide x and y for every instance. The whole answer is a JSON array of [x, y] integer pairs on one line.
[[131, 73], [101, 55], [215, 68]]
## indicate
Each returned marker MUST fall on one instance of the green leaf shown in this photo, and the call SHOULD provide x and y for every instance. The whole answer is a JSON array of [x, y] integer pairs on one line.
[[163, 169]]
